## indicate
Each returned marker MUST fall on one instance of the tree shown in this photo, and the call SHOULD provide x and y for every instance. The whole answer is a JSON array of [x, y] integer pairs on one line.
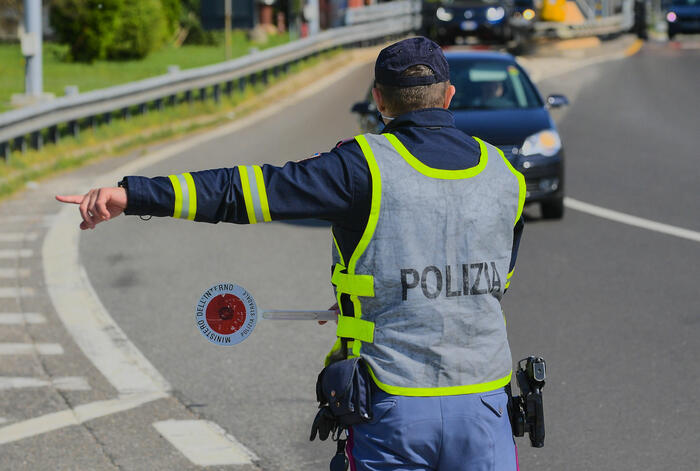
[[87, 26], [140, 28]]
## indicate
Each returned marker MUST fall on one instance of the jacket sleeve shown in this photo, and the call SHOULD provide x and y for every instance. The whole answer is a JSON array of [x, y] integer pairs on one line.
[[319, 187]]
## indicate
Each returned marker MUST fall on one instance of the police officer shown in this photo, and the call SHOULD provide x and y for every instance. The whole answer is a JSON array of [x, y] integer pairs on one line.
[[426, 226]]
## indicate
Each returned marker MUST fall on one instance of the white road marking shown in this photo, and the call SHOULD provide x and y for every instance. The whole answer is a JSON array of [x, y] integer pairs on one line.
[[64, 383], [46, 219], [204, 443], [17, 236], [631, 220], [13, 273], [3, 420], [29, 348], [13, 318], [75, 416], [15, 292], [84, 316], [12, 254]]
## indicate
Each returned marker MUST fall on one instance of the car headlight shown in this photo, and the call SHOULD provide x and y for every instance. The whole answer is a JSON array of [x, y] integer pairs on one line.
[[529, 14], [546, 143], [671, 16], [495, 14], [444, 15]]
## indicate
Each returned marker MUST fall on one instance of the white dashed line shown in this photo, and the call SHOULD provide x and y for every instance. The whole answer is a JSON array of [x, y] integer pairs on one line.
[[65, 383], [45, 219], [18, 236], [75, 416], [29, 348], [86, 319], [630, 220], [11, 254], [14, 318], [12, 273], [14, 292], [204, 443]]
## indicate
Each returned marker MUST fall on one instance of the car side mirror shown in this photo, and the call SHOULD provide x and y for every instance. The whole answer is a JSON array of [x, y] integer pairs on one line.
[[364, 107], [557, 101]]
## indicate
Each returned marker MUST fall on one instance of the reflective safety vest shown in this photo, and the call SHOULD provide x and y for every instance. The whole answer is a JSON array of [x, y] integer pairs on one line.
[[428, 274]]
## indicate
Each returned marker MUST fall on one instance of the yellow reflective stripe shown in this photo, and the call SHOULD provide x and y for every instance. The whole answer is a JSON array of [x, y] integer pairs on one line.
[[337, 248], [262, 193], [355, 328], [359, 285], [247, 197], [192, 192], [521, 184], [177, 210], [508, 277], [375, 205], [442, 391], [437, 172], [336, 346]]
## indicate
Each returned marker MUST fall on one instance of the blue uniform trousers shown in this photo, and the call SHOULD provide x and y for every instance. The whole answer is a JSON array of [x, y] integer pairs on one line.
[[468, 432]]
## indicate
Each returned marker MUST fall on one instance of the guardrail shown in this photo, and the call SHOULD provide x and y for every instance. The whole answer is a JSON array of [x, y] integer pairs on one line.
[[614, 16], [27, 126], [380, 11]]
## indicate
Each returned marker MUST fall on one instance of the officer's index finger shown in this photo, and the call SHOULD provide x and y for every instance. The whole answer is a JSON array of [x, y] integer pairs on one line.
[[75, 199]]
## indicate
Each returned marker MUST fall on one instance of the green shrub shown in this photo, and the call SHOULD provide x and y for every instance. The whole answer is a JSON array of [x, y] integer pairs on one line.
[[173, 12], [87, 26], [140, 29]]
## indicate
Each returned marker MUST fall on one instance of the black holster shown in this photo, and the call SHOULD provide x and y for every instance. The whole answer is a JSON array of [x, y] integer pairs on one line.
[[344, 394]]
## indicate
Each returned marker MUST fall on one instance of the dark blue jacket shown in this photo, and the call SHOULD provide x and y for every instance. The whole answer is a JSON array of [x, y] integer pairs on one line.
[[334, 186]]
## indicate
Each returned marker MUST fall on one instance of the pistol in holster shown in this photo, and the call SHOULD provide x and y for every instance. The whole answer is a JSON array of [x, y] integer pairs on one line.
[[526, 411]]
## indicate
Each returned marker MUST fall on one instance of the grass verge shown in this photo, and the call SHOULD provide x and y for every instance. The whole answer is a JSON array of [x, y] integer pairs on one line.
[[123, 136]]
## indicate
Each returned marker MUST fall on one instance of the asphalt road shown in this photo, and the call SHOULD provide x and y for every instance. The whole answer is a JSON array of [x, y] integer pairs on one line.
[[611, 307]]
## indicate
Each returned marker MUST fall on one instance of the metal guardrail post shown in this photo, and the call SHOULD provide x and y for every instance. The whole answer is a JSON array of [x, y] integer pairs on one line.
[[74, 128], [21, 144], [37, 140], [53, 135]]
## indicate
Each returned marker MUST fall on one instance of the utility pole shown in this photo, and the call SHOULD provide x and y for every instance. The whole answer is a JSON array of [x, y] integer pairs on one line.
[[227, 26], [31, 48], [314, 27]]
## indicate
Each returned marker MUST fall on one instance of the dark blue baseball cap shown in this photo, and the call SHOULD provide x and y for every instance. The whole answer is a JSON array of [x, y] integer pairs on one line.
[[395, 59]]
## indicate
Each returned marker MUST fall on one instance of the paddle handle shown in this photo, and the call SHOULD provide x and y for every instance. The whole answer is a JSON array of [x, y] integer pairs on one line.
[[285, 315]]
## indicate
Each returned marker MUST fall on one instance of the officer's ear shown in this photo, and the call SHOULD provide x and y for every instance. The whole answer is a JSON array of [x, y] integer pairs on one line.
[[449, 94], [379, 100]]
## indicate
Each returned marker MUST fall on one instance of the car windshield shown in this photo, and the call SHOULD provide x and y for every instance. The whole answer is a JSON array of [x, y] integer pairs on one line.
[[490, 85]]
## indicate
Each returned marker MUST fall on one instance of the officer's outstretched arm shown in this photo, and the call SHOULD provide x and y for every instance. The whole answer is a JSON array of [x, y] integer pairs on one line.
[[98, 205]]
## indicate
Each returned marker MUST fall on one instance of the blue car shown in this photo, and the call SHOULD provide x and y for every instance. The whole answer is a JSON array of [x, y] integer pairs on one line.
[[498, 102], [487, 20], [683, 16]]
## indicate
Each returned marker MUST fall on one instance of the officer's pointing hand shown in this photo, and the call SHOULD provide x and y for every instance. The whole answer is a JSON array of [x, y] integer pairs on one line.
[[97, 205]]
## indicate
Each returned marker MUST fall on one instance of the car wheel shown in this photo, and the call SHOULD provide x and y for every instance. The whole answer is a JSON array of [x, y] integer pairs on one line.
[[552, 209]]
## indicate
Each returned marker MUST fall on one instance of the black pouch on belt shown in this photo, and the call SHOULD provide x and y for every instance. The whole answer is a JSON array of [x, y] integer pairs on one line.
[[344, 392]]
